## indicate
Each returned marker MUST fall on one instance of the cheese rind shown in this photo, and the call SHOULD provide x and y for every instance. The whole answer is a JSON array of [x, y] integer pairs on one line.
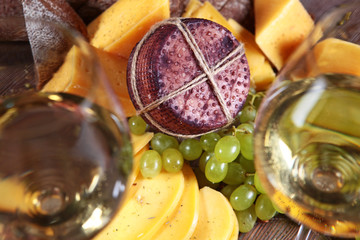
[[280, 26], [122, 25]]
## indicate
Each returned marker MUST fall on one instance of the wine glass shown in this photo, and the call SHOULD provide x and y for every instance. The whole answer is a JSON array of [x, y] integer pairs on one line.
[[307, 137], [64, 157]]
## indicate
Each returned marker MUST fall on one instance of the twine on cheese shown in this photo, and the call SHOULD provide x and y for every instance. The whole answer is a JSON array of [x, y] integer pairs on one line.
[[208, 74]]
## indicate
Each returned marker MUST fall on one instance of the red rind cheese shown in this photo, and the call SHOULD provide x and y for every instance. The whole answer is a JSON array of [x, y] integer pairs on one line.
[[188, 76]]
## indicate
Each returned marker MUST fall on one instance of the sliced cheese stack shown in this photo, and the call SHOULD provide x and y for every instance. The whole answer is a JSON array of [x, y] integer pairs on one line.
[[165, 207]]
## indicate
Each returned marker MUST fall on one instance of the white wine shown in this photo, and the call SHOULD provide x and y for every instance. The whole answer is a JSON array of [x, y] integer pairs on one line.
[[307, 141], [64, 163]]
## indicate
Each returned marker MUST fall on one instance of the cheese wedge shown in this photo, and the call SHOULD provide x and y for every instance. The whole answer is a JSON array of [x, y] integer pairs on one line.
[[122, 25], [191, 7], [261, 71], [280, 26], [337, 56], [150, 207], [75, 77], [139, 141], [215, 217], [208, 11], [181, 225]]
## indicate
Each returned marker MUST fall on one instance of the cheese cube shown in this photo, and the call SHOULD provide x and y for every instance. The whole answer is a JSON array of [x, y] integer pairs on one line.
[[280, 26]]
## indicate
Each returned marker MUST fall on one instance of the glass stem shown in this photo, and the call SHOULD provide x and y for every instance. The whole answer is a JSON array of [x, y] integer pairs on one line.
[[303, 233]]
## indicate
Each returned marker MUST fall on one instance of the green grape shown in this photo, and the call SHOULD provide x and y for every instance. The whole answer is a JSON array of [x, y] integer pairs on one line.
[[247, 127], [209, 140], [161, 141], [258, 98], [248, 114], [215, 171], [263, 207], [137, 125], [205, 156], [227, 149], [172, 160], [246, 142], [190, 149], [246, 219], [248, 165], [249, 180], [224, 132], [203, 181], [258, 184], [243, 197], [150, 164], [227, 190], [235, 174]]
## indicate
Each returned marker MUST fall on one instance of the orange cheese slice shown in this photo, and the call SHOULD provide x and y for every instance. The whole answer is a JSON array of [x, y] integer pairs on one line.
[[148, 209], [75, 77], [337, 56], [261, 72], [216, 219], [280, 26], [182, 223], [122, 25]]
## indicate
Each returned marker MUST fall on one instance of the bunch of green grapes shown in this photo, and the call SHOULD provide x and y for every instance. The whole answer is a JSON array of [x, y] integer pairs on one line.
[[222, 160]]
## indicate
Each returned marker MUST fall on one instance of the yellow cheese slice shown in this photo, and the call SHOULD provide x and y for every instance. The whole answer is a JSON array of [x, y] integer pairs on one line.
[[13, 194], [122, 25], [337, 56], [139, 141], [208, 11], [261, 72], [182, 223], [132, 188], [280, 26], [75, 77], [235, 231], [150, 207], [215, 216], [191, 7]]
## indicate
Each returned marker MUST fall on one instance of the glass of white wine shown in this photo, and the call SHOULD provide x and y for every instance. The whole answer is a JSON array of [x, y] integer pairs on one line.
[[64, 158], [307, 137]]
